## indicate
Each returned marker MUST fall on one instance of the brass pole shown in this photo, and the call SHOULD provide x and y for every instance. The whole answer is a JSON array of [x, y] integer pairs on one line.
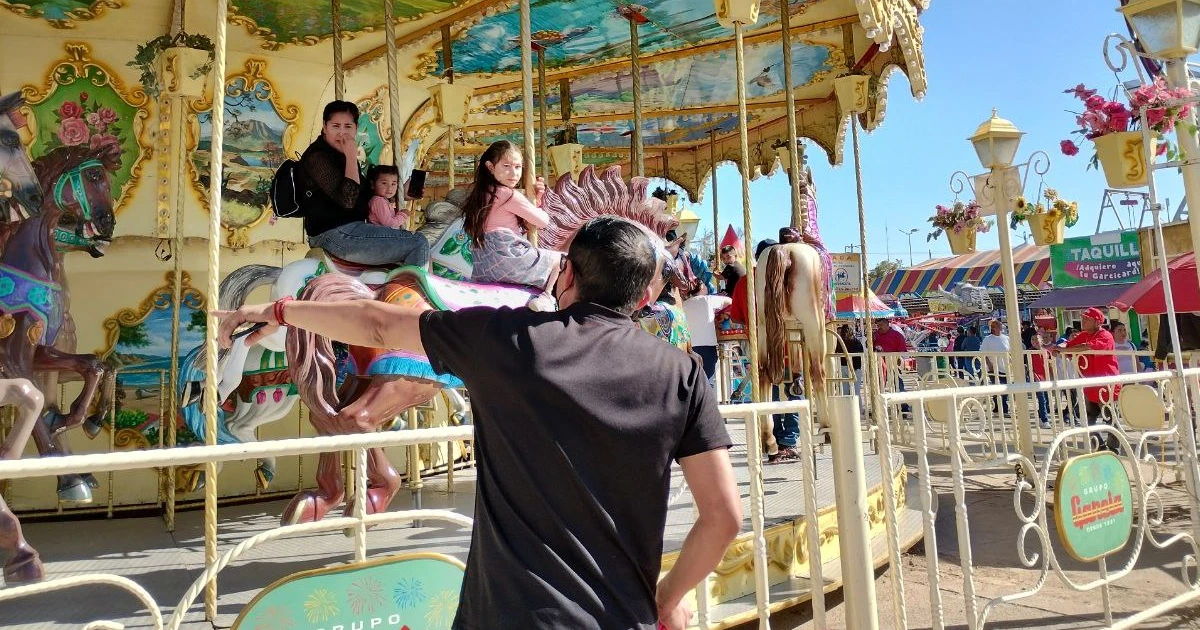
[[527, 107], [712, 158], [339, 73], [393, 80], [639, 166], [542, 114], [799, 215], [744, 165]]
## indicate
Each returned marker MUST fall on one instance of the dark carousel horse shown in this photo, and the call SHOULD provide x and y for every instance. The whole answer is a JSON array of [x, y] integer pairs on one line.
[[37, 337]]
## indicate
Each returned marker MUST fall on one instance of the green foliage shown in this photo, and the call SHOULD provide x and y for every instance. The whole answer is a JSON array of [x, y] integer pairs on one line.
[[133, 336], [146, 59], [198, 322], [882, 269]]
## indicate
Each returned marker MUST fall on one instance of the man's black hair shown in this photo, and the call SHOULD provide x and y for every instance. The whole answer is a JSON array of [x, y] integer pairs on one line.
[[613, 261], [340, 107], [762, 245]]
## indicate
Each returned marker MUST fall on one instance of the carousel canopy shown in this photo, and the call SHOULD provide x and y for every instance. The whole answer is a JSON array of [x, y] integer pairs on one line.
[[1032, 264]]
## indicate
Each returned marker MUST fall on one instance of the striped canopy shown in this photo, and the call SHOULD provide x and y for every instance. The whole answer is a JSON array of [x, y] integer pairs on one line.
[[1032, 263]]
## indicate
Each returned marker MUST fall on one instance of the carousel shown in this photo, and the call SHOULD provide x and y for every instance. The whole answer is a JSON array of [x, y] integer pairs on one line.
[[115, 243]]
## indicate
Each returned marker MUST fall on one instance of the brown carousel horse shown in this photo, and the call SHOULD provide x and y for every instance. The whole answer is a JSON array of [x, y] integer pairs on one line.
[[37, 337], [365, 388]]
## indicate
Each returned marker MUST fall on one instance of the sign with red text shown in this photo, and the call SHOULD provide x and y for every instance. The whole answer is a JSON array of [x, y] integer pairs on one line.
[[1093, 506], [1110, 258]]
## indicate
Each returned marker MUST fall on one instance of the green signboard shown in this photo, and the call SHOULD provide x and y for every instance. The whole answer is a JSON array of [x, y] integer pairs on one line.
[[1111, 258], [417, 591], [1093, 506]]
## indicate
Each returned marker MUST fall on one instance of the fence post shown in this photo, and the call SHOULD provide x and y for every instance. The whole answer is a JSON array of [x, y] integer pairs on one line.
[[850, 491]]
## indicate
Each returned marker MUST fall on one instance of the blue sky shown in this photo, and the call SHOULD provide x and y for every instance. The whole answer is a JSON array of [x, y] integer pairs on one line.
[[1016, 56]]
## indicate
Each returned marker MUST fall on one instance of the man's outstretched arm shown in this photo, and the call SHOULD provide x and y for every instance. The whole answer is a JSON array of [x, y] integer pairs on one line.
[[710, 478], [366, 323]]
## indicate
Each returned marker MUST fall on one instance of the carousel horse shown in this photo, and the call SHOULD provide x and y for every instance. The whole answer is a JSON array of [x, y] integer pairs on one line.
[[254, 385], [367, 387], [793, 291], [20, 199]]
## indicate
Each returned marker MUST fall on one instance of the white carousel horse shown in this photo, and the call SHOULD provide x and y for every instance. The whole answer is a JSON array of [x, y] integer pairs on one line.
[[967, 298]]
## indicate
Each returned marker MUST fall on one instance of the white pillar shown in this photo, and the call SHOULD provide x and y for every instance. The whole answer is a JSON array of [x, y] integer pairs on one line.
[[854, 532]]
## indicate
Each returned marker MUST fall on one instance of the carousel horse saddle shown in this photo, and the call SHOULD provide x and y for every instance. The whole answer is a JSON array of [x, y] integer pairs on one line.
[[411, 286], [368, 274]]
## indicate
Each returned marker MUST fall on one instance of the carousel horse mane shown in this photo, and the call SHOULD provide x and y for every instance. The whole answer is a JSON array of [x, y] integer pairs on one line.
[[572, 204], [51, 166], [778, 295]]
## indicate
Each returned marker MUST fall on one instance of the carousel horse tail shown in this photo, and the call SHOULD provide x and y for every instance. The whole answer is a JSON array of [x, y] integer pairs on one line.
[[236, 287], [816, 343], [191, 379], [776, 301], [310, 356]]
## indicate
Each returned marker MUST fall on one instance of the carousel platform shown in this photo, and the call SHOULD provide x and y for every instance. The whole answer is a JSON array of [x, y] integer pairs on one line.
[[166, 563]]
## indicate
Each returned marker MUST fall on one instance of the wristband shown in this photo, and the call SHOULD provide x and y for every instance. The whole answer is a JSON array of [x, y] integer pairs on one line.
[[277, 309]]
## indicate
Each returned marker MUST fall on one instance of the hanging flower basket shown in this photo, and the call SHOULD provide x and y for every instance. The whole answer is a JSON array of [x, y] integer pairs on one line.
[[1123, 158], [1047, 229], [962, 242]]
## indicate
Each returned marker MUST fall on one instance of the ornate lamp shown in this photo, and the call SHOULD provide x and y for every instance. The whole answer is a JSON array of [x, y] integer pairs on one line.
[[852, 93], [452, 102], [1168, 29], [689, 222], [730, 11], [996, 141]]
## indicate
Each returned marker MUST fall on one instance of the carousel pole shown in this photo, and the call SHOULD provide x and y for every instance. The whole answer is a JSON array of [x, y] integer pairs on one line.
[[744, 167], [635, 65], [799, 215], [527, 107], [448, 62], [176, 105], [339, 74], [541, 63], [712, 159], [214, 290], [393, 74]]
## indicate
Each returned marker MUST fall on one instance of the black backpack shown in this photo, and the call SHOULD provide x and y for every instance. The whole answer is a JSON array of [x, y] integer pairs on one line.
[[291, 192]]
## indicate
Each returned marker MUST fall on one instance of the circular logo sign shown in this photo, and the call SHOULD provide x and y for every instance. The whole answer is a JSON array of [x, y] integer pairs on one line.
[[1093, 506]]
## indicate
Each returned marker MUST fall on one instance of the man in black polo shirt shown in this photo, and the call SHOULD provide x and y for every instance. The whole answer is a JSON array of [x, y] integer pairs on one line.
[[578, 416]]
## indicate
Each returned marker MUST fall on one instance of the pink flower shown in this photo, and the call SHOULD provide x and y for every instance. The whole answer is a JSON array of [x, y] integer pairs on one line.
[[1114, 107], [102, 140], [73, 132], [1120, 121], [1095, 102], [83, 97], [1080, 92], [107, 115], [93, 119], [1161, 149], [1154, 117], [1068, 148], [70, 109]]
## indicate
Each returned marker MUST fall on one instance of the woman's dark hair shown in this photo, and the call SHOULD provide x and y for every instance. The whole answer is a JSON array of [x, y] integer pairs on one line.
[[483, 192], [728, 249], [339, 107], [375, 170]]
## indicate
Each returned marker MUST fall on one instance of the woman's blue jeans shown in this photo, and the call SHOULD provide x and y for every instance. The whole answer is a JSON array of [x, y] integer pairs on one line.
[[369, 244]]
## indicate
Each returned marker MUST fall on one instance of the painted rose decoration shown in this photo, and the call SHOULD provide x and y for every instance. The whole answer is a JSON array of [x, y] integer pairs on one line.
[[85, 122]]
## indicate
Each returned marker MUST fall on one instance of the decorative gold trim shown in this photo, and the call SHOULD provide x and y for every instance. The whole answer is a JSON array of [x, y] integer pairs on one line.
[[253, 76], [77, 66], [374, 106], [81, 14], [158, 300]]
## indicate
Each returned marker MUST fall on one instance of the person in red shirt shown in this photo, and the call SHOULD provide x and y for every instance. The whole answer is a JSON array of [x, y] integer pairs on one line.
[[1095, 338], [1037, 361], [738, 307]]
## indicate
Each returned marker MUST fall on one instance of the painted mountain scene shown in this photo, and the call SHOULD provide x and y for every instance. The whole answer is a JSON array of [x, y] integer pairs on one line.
[[253, 149]]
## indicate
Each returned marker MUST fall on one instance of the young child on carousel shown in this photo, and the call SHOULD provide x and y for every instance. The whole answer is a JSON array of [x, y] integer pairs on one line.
[[384, 180], [497, 216]]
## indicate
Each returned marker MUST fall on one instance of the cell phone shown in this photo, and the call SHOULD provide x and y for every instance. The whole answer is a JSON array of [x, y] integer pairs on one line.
[[416, 185], [256, 327]]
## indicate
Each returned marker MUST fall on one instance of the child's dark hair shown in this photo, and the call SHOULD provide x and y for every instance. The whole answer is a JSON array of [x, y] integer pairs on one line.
[[340, 107], [479, 201], [375, 170]]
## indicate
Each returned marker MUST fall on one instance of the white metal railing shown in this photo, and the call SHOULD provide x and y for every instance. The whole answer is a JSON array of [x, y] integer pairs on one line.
[[1035, 551]]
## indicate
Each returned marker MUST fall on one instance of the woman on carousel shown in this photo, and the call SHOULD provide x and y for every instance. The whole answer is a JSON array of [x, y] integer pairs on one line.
[[497, 216], [336, 220]]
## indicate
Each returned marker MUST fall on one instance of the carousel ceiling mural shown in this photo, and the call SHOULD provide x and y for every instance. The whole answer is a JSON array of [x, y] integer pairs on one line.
[[308, 22], [61, 13], [575, 33]]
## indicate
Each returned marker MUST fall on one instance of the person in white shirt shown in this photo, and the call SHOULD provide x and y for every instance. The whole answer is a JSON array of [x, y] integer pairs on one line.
[[700, 312], [1126, 363], [995, 347]]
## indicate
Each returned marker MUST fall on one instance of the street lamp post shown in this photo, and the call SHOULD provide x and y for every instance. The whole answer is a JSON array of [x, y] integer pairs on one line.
[[909, 234], [996, 141], [1169, 30]]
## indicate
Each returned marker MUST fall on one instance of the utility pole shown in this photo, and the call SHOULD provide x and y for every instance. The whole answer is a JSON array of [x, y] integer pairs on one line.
[[909, 234]]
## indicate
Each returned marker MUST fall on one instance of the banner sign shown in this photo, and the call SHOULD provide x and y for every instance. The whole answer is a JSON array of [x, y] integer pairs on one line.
[[1111, 258], [1093, 506], [847, 272], [415, 591]]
